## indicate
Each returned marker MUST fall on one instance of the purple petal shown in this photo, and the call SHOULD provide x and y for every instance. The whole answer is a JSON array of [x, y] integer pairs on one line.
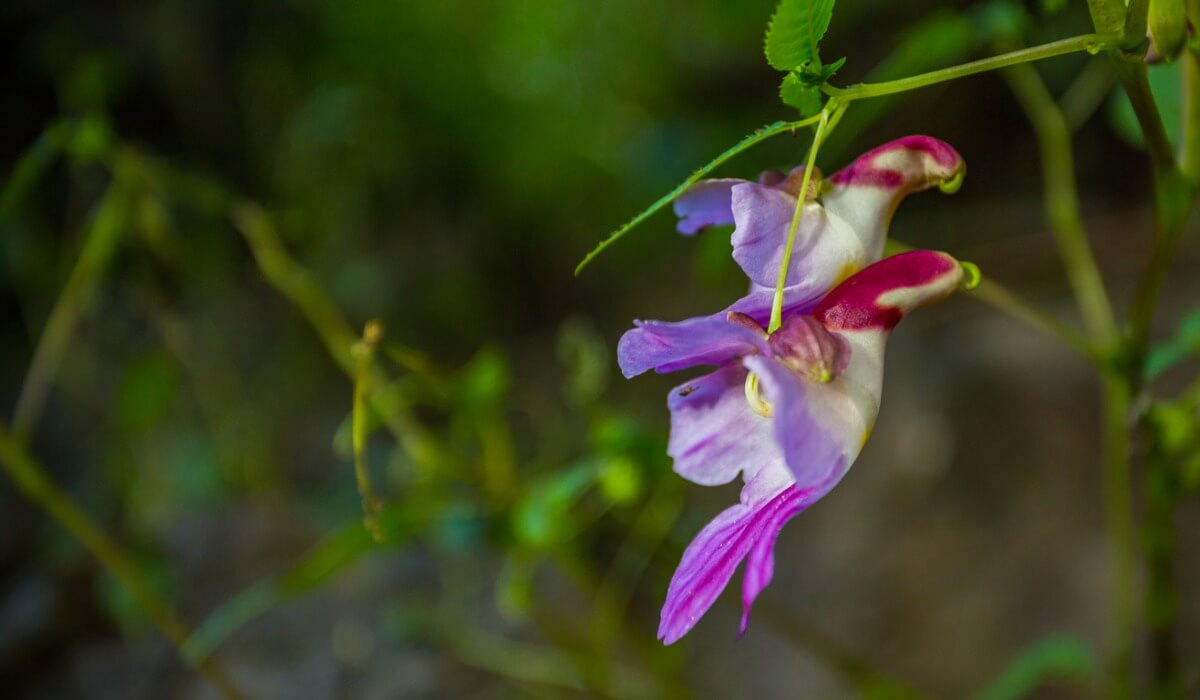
[[763, 216], [669, 346], [815, 455], [715, 434], [749, 528], [707, 203]]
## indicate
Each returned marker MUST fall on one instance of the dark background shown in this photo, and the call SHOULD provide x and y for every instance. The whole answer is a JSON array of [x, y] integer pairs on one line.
[[442, 166]]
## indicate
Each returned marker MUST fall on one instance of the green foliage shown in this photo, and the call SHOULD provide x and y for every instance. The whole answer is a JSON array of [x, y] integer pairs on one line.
[[1166, 85], [1060, 657], [794, 34], [805, 98], [1167, 23], [1185, 343]]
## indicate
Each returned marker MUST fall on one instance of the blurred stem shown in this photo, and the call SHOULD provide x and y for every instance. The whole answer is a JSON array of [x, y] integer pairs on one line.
[[1118, 518], [298, 286], [1008, 303], [1062, 202], [99, 244], [1191, 115], [856, 672], [797, 213], [364, 353], [1087, 42], [1162, 596], [31, 479], [1086, 93]]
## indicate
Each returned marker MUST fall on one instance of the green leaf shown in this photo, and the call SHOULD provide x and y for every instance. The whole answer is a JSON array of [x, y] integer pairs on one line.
[[1166, 84], [795, 93], [1051, 7], [1185, 342], [795, 31], [1058, 656]]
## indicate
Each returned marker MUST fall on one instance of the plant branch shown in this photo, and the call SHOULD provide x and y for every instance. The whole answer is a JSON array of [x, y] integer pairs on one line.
[[31, 480], [1062, 202], [1091, 43]]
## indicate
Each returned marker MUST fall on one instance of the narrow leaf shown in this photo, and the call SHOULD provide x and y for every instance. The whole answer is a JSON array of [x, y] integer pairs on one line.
[[795, 31]]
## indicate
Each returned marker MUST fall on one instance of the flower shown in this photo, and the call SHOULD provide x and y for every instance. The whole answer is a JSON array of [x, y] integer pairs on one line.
[[790, 413], [842, 230]]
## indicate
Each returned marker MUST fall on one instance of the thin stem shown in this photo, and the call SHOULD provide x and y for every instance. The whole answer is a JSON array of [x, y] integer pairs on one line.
[[1087, 42], [1086, 93], [758, 136], [1062, 202], [100, 243], [30, 478], [999, 297], [801, 200], [1118, 518], [1162, 595], [1191, 116], [364, 352]]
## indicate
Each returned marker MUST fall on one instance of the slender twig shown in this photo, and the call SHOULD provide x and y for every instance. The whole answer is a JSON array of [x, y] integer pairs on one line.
[[1062, 202], [100, 242], [364, 352], [1087, 42], [31, 479]]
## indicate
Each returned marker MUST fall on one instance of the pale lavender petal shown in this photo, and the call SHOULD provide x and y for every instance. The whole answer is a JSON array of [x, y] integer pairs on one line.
[[814, 453], [749, 528], [714, 433], [669, 346], [825, 252], [707, 203]]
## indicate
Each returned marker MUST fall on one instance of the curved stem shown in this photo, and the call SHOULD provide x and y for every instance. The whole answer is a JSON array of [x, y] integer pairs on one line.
[[1086, 42], [758, 136], [1062, 202], [30, 478], [801, 199]]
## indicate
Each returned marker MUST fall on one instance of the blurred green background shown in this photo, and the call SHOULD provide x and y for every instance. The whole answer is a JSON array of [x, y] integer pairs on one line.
[[442, 166]]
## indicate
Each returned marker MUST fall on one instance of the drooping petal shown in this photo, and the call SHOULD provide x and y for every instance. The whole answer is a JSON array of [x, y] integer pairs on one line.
[[669, 346], [715, 434], [879, 296], [747, 529], [826, 250], [707, 203], [815, 446], [866, 193]]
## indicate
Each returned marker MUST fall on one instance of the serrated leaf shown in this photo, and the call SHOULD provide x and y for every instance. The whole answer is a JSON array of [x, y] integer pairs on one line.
[[795, 31], [795, 93]]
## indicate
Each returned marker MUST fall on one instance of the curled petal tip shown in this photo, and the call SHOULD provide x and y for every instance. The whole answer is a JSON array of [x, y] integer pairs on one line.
[[952, 184], [972, 276]]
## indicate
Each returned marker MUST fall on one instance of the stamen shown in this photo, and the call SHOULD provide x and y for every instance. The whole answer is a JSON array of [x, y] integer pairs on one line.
[[754, 397]]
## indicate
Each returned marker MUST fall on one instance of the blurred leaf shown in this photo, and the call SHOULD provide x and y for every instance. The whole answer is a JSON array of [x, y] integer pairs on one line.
[[484, 381], [795, 31], [585, 355], [620, 481], [806, 98], [1185, 342], [1051, 7], [1167, 23], [514, 587], [1166, 85], [543, 516], [147, 391], [1062, 657]]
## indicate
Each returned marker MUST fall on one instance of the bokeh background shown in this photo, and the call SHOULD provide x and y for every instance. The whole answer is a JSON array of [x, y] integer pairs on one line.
[[250, 182]]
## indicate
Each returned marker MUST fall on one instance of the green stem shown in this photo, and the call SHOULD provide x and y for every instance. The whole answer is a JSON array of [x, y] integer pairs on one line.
[[100, 243], [1162, 595], [30, 478], [1062, 202], [1087, 93], [364, 353], [758, 136], [1087, 42], [797, 212], [1191, 116], [1118, 512]]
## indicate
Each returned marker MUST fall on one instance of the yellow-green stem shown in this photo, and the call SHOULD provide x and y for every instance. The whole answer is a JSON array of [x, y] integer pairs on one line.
[[364, 352], [31, 480], [1062, 202], [797, 213]]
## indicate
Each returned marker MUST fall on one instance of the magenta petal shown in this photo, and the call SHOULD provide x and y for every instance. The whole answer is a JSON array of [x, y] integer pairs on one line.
[[669, 346], [711, 559], [707, 203]]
